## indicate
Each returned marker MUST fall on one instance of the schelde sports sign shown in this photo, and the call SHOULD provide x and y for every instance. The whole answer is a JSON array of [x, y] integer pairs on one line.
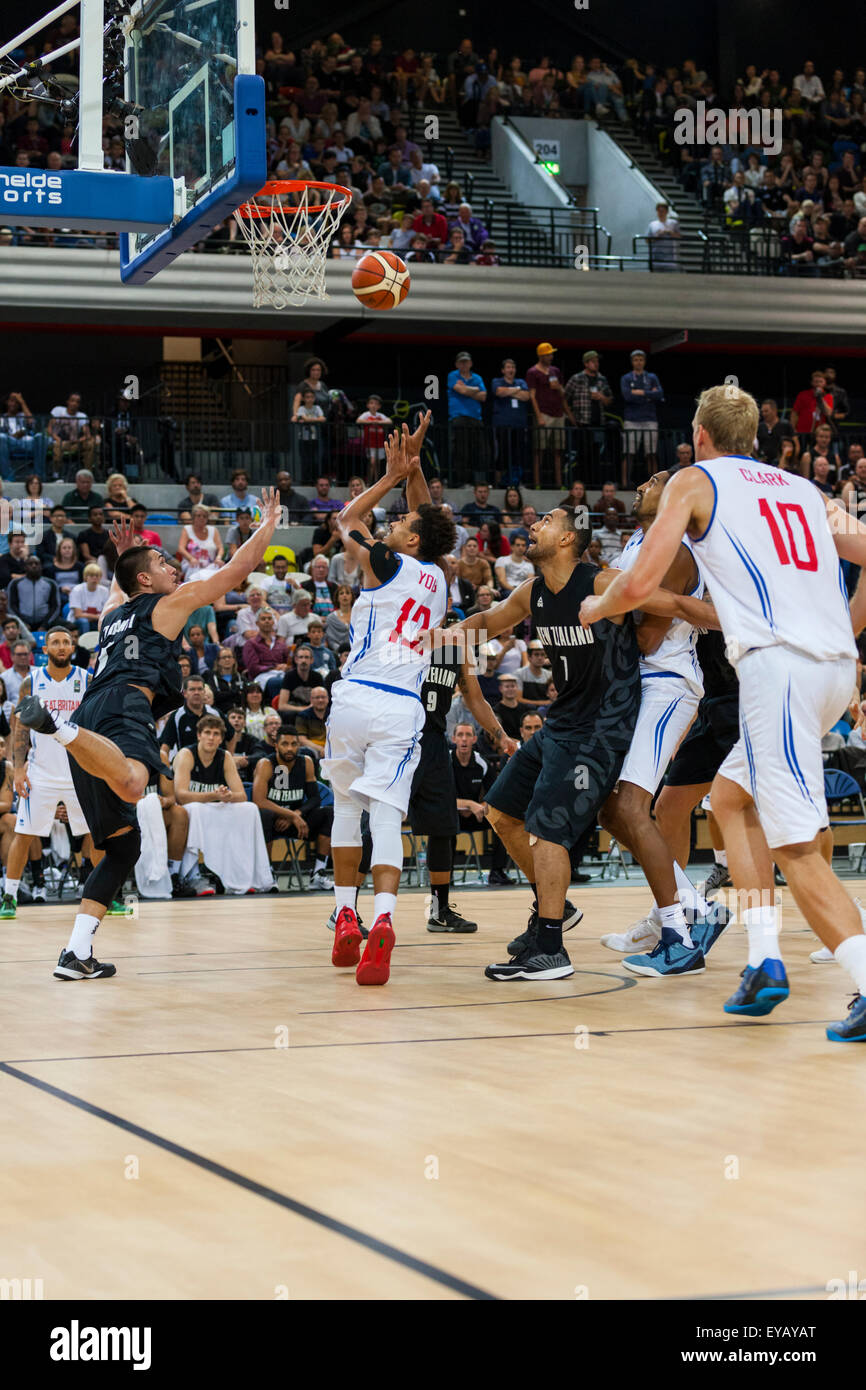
[[97, 200], [30, 188]]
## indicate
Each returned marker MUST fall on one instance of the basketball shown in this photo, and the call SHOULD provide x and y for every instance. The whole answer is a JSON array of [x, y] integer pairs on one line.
[[380, 280]]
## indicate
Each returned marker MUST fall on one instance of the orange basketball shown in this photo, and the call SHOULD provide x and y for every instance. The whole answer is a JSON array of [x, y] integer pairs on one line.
[[380, 280]]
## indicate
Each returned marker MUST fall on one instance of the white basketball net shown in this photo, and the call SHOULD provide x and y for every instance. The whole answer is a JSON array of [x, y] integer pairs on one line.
[[289, 238]]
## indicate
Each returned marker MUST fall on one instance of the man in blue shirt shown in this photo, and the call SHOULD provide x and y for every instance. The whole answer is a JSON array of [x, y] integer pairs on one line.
[[642, 393], [510, 421], [240, 498], [466, 394]]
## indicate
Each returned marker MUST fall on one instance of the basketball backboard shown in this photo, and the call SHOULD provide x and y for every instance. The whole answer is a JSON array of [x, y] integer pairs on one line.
[[179, 75]]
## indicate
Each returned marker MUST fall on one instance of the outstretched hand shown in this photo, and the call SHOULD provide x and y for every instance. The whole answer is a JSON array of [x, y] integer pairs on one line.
[[271, 508], [414, 441], [121, 533], [397, 459]]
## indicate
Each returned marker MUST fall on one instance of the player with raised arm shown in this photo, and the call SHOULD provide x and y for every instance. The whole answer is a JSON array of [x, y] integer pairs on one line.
[[549, 794], [768, 544], [376, 719], [111, 739]]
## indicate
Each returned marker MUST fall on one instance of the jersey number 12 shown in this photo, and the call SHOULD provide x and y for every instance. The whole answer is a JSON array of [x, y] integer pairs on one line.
[[420, 620]]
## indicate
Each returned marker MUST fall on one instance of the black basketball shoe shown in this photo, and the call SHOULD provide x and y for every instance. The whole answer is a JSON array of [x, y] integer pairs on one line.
[[450, 921], [32, 713], [531, 964], [571, 916], [69, 967]]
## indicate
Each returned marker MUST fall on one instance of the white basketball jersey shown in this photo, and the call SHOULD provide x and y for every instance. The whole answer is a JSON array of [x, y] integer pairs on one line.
[[770, 563], [676, 654], [47, 758], [386, 627]]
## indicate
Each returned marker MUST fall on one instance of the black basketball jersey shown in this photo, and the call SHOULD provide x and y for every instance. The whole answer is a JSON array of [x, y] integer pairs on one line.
[[205, 779], [437, 692], [131, 650], [595, 669], [287, 786], [720, 678]]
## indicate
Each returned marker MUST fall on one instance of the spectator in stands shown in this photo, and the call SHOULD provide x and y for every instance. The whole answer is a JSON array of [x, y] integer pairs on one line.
[[311, 722], [245, 749], [14, 561], [93, 540], [854, 490], [607, 500], [532, 722], [298, 681], [36, 496], [822, 476], [642, 393], [292, 501], [87, 600], [33, 598], [608, 536], [69, 430], [512, 504], [664, 232], [425, 176], [550, 407], [395, 172], [117, 499], [433, 225], [809, 87], [481, 509], [854, 248], [603, 90], [509, 710], [374, 422], [56, 532], [514, 569], [20, 669], [339, 621], [841, 404], [82, 497], [240, 496], [225, 680], [323, 502], [19, 438], [295, 625], [715, 176], [485, 597], [195, 497], [588, 394], [141, 535], [450, 204], [65, 568], [322, 591], [240, 532], [310, 418], [472, 565], [461, 594], [202, 654], [466, 394], [798, 250], [280, 586], [534, 678], [811, 407], [323, 659], [200, 549], [771, 431], [265, 652], [473, 229], [822, 444]]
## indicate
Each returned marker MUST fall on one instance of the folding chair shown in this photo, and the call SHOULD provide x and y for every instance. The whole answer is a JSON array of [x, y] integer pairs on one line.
[[840, 788], [411, 866], [472, 857], [612, 859], [290, 862]]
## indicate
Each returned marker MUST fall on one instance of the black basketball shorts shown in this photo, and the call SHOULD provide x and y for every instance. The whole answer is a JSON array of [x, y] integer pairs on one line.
[[122, 714], [433, 799], [708, 742]]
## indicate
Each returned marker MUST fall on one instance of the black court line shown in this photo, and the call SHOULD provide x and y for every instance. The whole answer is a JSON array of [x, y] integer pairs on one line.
[[246, 951], [244, 969], [218, 1170], [622, 982]]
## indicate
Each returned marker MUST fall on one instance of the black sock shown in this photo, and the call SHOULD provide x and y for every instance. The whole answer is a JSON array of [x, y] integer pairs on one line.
[[534, 891], [440, 893], [549, 935], [37, 872], [85, 869]]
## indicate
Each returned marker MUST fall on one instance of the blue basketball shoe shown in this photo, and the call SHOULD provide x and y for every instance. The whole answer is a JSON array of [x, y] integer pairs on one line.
[[852, 1028], [705, 931], [669, 957], [761, 988]]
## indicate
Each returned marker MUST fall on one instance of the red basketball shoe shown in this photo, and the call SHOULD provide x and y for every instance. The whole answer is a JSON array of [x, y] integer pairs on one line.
[[375, 966], [347, 939]]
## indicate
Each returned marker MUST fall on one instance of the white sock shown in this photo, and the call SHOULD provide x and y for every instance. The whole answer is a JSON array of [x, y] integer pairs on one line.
[[761, 929], [851, 955], [65, 734], [174, 866], [656, 916], [721, 857], [189, 862], [11, 886], [689, 896], [384, 902], [345, 897], [675, 919], [83, 931], [321, 865]]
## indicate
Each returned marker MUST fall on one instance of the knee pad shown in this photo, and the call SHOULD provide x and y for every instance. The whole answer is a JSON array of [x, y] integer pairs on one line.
[[346, 830], [107, 879], [439, 854], [386, 827]]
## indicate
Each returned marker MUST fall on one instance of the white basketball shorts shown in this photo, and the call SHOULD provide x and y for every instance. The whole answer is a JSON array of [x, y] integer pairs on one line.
[[668, 706], [36, 812], [373, 745], [788, 702]]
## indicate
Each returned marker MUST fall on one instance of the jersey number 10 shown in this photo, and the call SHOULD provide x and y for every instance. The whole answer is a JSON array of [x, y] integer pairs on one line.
[[787, 553]]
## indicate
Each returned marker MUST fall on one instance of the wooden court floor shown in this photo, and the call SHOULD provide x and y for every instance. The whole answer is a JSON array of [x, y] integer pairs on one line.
[[232, 1118]]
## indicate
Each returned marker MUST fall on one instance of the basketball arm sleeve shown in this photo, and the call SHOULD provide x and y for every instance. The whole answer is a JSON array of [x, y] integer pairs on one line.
[[312, 800], [383, 562]]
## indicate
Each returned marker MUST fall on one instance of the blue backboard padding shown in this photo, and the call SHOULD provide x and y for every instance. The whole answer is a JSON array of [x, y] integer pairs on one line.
[[251, 169], [92, 199]]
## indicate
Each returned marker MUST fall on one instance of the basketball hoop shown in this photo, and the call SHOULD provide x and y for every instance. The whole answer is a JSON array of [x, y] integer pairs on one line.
[[289, 235]]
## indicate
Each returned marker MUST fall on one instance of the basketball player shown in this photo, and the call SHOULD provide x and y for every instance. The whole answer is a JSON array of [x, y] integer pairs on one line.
[[376, 718], [41, 767], [549, 794], [433, 801], [768, 544], [288, 796], [112, 737], [671, 690]]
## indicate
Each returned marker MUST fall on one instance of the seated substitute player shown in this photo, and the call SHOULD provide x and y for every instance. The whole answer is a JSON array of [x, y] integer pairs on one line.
[[553, 787], [433, 802], [376, 718], [41, 767], [473, 778], [671, 690], [289, 797], [112, 740], [769, 544], [150, 868]]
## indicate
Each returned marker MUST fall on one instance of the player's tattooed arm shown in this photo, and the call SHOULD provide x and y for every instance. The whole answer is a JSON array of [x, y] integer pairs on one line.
[[480, 709], [21, 743], [7, 791]]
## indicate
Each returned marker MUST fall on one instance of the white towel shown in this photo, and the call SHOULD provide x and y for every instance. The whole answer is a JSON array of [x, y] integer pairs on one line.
[[152, 878], [230, 839]]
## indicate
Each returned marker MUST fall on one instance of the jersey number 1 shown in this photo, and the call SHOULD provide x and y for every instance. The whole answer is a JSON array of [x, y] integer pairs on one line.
[[420, 619], [788, 553]]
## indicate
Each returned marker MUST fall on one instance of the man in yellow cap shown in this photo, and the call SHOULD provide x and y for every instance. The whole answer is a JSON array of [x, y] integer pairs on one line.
[[550, 408]]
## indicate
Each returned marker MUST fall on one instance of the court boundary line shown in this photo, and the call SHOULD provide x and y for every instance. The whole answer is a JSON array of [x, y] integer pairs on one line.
[[257, 1189]]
